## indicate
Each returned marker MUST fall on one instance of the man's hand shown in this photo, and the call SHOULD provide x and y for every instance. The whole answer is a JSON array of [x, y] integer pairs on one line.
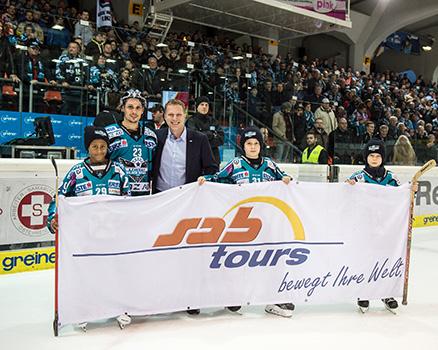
[[15, 79], [65, 84], [350, 181]]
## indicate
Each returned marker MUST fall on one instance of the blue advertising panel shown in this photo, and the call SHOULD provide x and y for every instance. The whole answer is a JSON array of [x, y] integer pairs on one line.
[[68, 130]]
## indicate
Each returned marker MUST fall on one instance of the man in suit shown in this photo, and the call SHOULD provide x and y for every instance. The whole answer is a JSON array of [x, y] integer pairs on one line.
[[183, 154]]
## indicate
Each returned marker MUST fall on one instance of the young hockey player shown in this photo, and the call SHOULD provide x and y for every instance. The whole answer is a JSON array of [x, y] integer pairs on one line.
[[375, 173], [96, 175], [248, 168], [132, 144]]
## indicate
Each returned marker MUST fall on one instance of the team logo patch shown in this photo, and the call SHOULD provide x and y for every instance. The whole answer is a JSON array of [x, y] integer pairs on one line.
[[113, 184], [242, 175], [149, 132], [150, 143], [268, 177], [117, 132], [29, 210], [86, 186], [118, 144]]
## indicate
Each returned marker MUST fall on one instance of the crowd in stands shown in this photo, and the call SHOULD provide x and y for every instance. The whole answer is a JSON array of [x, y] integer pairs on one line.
[[292, 97]]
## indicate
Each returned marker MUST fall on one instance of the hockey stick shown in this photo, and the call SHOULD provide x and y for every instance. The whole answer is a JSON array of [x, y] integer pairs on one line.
[[55, 321], [426, 167]]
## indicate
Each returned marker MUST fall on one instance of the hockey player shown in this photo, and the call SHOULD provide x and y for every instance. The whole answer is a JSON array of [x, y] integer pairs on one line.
[[375, 173], [132, 144], [248, 168], [96, 175]]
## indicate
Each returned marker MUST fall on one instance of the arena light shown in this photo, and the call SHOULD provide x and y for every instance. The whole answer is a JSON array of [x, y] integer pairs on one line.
[[161, 45], [110, 60], [21, 47], [145, 66], [183, 71], [426, 48], [249, 55], [237, 57], [191, 43]]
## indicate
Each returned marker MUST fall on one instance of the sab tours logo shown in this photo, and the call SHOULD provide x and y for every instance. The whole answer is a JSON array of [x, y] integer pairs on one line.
[[240, 233]]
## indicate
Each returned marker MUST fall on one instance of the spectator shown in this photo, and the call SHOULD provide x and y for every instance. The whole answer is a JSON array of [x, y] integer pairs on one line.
[[369, 132], [95, 46], [158, 121], [139, 56], [320, 134], [339, 143], [313, 153], [207, 125], [32, 69], [383, 133], [403, 153], [83, 28], [71, 71], [325, 113], [59, 38], [153, 81], [299, 125], [110, 113], [284, 130], [102, 76], [309, 116]]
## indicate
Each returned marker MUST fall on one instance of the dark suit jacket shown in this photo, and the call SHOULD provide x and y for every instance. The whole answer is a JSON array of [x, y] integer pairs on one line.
[[199, 158]]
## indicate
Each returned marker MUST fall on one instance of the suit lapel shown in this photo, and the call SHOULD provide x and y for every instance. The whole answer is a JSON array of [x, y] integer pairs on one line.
[[189, 148]]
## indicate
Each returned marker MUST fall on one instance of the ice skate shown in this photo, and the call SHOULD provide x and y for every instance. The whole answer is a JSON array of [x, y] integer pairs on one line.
[[123, 320], [363, 305], [390, 304], [284, 310]]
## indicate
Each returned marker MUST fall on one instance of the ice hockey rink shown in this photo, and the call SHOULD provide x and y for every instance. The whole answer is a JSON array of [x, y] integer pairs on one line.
[[26, 306]]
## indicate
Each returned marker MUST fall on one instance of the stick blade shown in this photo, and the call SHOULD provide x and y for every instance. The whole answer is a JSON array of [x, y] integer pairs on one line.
[[425, 168]]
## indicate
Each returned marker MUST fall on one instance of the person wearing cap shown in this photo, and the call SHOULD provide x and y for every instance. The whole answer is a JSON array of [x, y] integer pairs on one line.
[[70, 70], [133, 144], [157, 121], [207, 125], [375, 173], [31, 69], [328, 117], [249, 168], [284, 132], [96, 175]]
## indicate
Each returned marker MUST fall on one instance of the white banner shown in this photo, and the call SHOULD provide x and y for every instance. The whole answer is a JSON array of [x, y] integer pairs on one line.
[[217, 245], [104, 16]]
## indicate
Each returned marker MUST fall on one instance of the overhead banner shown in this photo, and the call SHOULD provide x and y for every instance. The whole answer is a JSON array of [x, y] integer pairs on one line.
[[219, 245], [332, 8], [104, 16]]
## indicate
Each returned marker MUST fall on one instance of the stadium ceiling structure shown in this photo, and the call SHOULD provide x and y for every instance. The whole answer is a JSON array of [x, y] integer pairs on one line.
[[266, 19]]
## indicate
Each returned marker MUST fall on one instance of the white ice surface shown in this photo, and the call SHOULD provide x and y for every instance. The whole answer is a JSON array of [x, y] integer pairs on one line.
[[26, 314]]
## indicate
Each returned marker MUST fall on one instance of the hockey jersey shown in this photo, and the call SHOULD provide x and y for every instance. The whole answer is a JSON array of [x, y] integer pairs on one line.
[[239, 171], [135, 153], [388, 179], [82, 180]]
